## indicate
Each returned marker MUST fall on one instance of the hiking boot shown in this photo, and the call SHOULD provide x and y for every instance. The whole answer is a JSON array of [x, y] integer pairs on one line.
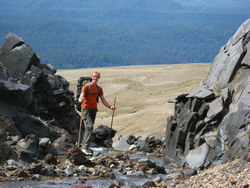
[[87, 152]]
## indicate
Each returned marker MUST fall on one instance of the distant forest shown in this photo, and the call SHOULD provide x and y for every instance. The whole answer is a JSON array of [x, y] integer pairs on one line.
[[81, 38]]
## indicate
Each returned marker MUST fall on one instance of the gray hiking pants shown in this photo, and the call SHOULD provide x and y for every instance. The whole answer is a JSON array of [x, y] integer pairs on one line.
[[89, 120]]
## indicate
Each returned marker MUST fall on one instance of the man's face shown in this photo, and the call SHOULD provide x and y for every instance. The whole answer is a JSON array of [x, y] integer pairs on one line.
[[95, 78]]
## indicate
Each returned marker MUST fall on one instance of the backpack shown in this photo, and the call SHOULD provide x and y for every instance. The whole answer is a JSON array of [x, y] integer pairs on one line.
[[80, 83]]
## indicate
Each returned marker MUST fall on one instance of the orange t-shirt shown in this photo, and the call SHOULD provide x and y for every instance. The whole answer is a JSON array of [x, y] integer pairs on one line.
[[90, 101]]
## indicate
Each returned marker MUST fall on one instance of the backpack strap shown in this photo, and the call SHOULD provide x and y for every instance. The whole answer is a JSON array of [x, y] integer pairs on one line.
[[99, 93], [99, 90], [88, 90]]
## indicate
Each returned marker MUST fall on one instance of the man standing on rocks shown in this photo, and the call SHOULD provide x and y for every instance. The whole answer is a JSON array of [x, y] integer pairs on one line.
[[89, 98]]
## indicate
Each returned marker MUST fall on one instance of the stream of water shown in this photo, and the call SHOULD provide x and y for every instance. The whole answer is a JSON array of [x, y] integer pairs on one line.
[[81, 181]]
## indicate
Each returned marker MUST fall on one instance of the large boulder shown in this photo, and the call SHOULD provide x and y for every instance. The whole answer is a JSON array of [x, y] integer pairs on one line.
[[17, 56], [211, 125], [32, 96], [7, 152]]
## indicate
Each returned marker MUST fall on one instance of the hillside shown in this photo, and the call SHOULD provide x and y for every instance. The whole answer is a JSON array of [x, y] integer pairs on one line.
[[216, 5], [142, 93], [158, 5], [83, 34]]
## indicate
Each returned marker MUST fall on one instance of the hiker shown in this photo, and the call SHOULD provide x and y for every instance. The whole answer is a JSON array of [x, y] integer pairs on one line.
[[89, 98]]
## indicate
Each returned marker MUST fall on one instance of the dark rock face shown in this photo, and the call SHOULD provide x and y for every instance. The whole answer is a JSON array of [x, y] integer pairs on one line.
[[38, 119], [7, 152], [31, 95], [211, 125]]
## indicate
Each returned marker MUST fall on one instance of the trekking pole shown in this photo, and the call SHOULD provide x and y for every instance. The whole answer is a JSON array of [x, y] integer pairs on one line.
[[111, 123], [113, 115], [80, 129]]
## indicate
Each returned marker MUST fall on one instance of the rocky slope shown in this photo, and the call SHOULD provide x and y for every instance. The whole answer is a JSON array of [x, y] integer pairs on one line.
[[210, 125]]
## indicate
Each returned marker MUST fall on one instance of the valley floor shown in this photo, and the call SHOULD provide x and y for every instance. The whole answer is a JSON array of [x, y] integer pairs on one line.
[[142, 94]]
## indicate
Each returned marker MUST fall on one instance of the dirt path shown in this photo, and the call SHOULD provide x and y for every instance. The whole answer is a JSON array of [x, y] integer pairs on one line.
[[142, 93]]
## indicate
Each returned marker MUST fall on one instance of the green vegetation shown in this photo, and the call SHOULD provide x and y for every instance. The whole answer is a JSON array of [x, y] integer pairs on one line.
[[79, 38]]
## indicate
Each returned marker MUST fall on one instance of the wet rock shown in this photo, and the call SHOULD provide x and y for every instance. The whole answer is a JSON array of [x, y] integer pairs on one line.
[[11, 167], [63, 145], [123, 169], [20, 179], [44, 142], [174, 175], [29, 145], [113, 185], [122, 145], [157, 179], [123, 183], [77, 157], [49, 171], [11, 142], [152, 171], [3, 174], [36, 177], [153, 142], [98, 171], [102, 136], [149, 162], [12, 162], [141, 167], [149, 184], [132, 147], [82, 168], [7, 152], [36, 168], [160, 169], [50, 159], [136, 173], [70, 170], [144, 147], [110, 175], [131, 139], [20, 172]]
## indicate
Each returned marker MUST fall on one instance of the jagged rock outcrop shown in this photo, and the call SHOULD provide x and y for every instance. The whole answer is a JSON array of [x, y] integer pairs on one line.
[[33, 99], [35, 103], [211, 125]]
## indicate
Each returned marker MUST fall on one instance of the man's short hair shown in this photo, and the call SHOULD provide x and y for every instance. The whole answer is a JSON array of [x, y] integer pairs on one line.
[[97, 73]]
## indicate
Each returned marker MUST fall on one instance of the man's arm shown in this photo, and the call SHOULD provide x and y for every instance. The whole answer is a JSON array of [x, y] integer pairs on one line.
[[105, 103], [81, 98]]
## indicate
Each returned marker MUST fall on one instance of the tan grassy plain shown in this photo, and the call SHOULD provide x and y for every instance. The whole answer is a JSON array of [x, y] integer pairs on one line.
[[141, 94]]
